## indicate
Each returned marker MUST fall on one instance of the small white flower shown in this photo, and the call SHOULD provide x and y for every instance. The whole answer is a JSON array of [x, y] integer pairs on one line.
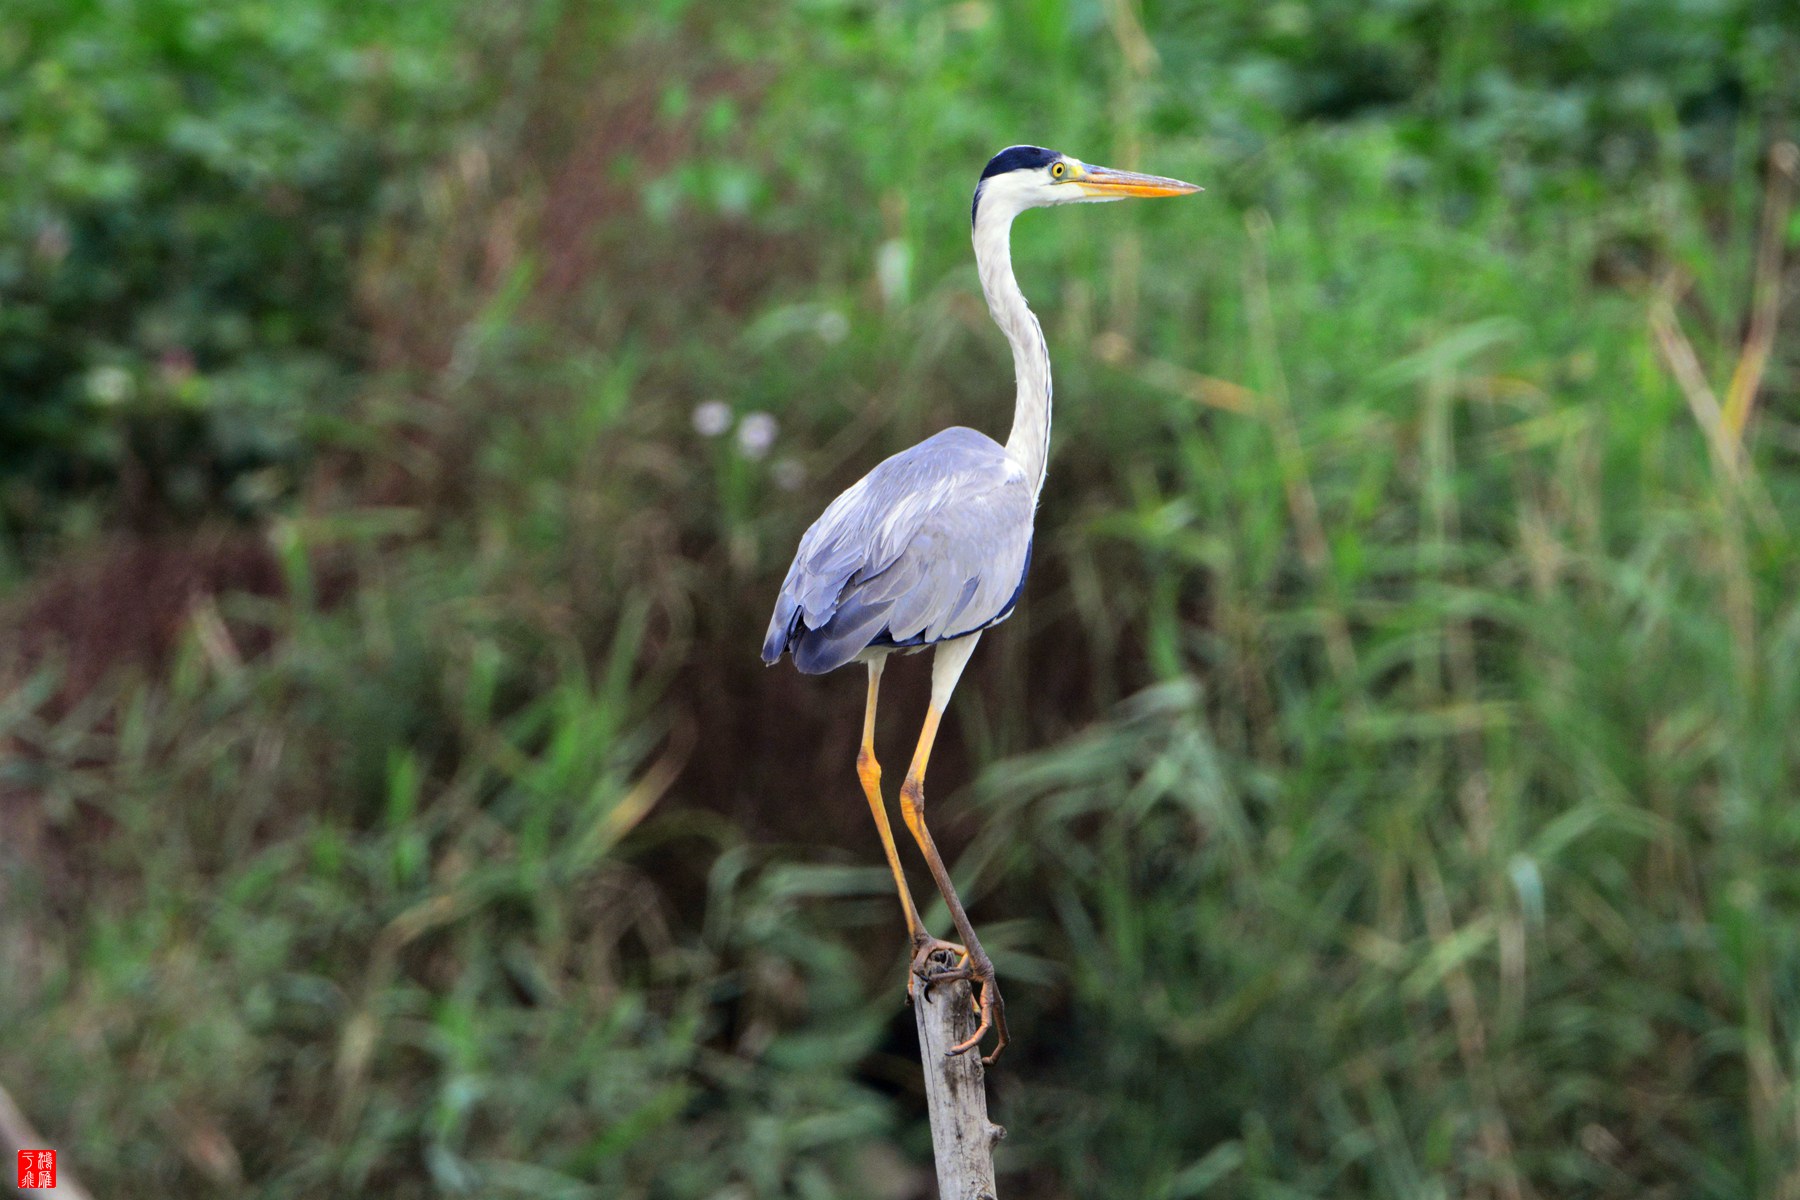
[[109, 385], [712, 418], [893, 271], [788, 473], [756, 433]]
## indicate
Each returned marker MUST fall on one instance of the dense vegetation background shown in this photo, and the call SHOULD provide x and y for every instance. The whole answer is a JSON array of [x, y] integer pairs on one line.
[[1389, 787]]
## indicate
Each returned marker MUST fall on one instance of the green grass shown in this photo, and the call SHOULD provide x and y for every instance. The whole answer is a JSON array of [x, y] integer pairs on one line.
[[1386, 788]]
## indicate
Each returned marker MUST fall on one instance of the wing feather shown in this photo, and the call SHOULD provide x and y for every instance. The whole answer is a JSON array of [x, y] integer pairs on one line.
[[933, 543]]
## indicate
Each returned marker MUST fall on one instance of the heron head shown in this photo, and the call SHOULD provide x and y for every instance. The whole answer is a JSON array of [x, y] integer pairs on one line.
[[1022, 177]]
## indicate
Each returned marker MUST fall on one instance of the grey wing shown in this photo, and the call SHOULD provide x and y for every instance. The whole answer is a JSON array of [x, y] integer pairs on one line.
[[932, 544]]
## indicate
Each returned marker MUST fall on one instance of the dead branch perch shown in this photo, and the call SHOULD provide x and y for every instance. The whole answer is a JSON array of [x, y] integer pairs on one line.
[[962, 1137]]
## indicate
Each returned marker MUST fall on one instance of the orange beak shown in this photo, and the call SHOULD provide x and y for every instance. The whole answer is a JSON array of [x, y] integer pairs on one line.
[[1104, 181]]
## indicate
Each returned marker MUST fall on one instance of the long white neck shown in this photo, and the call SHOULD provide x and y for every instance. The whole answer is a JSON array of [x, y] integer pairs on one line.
[[1029, 442]]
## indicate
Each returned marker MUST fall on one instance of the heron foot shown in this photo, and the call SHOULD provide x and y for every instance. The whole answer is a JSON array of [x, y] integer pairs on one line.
[[927, 951], [989, 1004]]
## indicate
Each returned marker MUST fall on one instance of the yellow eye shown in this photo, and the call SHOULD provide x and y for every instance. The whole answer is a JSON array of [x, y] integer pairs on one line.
[[1058, 170]]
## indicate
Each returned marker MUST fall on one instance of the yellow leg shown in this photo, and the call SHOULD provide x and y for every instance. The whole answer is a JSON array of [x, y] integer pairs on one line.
[[869, 771], [951, 659]]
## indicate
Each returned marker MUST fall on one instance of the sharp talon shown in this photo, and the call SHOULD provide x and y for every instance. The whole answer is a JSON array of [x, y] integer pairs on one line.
[[974, 1041], [992, 1010], [930, 958], [925, 950]]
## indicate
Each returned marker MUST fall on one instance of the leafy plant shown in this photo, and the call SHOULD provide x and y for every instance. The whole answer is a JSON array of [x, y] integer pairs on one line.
[[1381, 790], [186, 187]]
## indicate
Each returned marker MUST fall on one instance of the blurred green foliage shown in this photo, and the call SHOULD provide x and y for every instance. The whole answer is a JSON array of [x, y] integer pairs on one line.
[[183, 189], [1386, 787]]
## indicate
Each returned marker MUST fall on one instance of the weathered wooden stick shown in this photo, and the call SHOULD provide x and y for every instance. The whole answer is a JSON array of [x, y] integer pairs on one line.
[[955, 1093]]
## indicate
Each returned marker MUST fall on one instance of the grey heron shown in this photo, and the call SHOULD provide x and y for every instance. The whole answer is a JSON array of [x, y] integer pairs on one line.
[[932, 547]]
